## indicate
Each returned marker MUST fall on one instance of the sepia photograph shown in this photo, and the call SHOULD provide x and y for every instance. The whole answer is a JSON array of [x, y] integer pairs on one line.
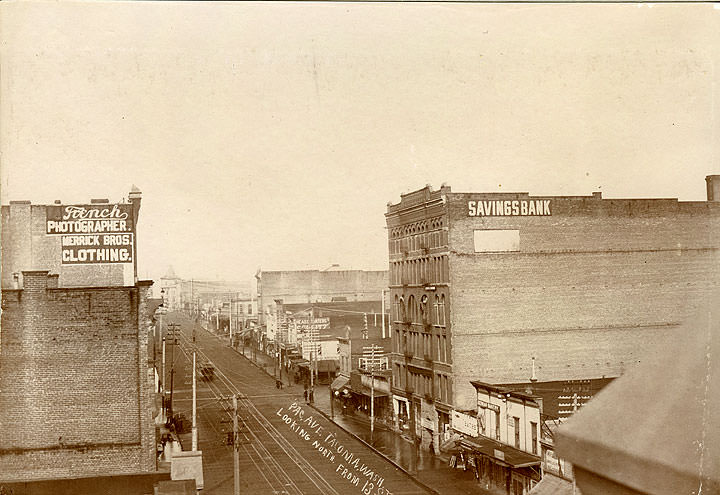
[[359, 248]]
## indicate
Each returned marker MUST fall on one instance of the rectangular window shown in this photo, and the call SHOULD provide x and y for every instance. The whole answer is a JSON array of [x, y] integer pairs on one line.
[[533, 429], [496, 241], [497, 425], [516, 425]]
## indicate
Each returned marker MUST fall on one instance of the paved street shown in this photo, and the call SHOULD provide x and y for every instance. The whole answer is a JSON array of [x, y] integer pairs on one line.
[[287, 447]]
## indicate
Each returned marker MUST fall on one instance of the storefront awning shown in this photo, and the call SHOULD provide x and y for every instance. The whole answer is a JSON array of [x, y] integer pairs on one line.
[[339, 383], [500, 452], [363, 390]]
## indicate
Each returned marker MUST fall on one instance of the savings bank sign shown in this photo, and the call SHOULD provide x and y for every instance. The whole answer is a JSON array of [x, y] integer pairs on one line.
[[509, 208], [93, 234]]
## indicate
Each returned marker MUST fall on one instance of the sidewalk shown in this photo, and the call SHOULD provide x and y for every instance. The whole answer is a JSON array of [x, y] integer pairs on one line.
[[429, 470]]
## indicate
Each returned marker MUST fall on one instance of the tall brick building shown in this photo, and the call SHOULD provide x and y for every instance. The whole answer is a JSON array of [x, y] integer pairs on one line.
[[485, 284], [76, 377]]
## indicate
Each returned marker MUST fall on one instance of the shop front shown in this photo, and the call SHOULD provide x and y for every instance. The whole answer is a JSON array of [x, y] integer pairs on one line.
[[382, 409], [340, 395], [429, 438], [497, 466], [401, 413]]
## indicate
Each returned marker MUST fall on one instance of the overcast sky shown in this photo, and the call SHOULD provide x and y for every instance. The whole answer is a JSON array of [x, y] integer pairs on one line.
[[273, 135]]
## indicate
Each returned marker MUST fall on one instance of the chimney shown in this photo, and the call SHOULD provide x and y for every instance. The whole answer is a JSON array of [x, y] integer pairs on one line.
[[713, 187], [16, 280], [35, 280], [135, 197]]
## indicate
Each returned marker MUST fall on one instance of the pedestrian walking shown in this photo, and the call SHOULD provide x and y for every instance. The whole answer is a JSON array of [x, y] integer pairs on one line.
[[305, 395]]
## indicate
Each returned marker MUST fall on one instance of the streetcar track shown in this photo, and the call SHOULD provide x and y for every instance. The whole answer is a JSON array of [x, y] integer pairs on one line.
[[280, 441], [269, 460], [268, 468]]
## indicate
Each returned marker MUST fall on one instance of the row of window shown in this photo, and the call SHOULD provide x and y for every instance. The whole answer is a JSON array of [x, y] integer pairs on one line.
[[422, 345], [423, 384], [516, 429], [420, 271], [417, 227], [428, 240], [417, 311]]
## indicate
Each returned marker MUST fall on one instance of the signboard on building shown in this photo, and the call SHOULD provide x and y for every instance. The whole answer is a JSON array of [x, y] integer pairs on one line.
[[92, 234], [307, 324], [509, 208], [464, 423], [486, 405], [551, 463]]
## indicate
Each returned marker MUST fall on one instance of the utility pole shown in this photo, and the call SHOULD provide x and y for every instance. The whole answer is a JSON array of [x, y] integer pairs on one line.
[[163, 379], [173, 329], [382, 299], [315, 354], [372, 393], [236, 446], [230, 321], [312, 367], [194, 405]]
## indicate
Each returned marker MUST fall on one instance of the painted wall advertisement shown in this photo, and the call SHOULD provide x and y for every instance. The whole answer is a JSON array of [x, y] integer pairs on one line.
[[312, 324], [92, 234]]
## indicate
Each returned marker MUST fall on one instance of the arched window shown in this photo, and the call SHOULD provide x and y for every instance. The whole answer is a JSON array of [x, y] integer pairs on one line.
[[412, 310], [403, 313], [396, 309], [436, 307]]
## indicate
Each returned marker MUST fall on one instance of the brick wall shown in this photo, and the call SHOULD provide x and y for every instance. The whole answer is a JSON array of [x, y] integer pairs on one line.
[[26, 246], [75, 387], [591, 287], [314, 285]]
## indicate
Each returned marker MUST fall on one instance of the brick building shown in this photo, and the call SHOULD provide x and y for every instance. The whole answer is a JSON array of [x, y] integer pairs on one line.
[[76, 358], [76, 389], [312, 286], [483, 285]]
